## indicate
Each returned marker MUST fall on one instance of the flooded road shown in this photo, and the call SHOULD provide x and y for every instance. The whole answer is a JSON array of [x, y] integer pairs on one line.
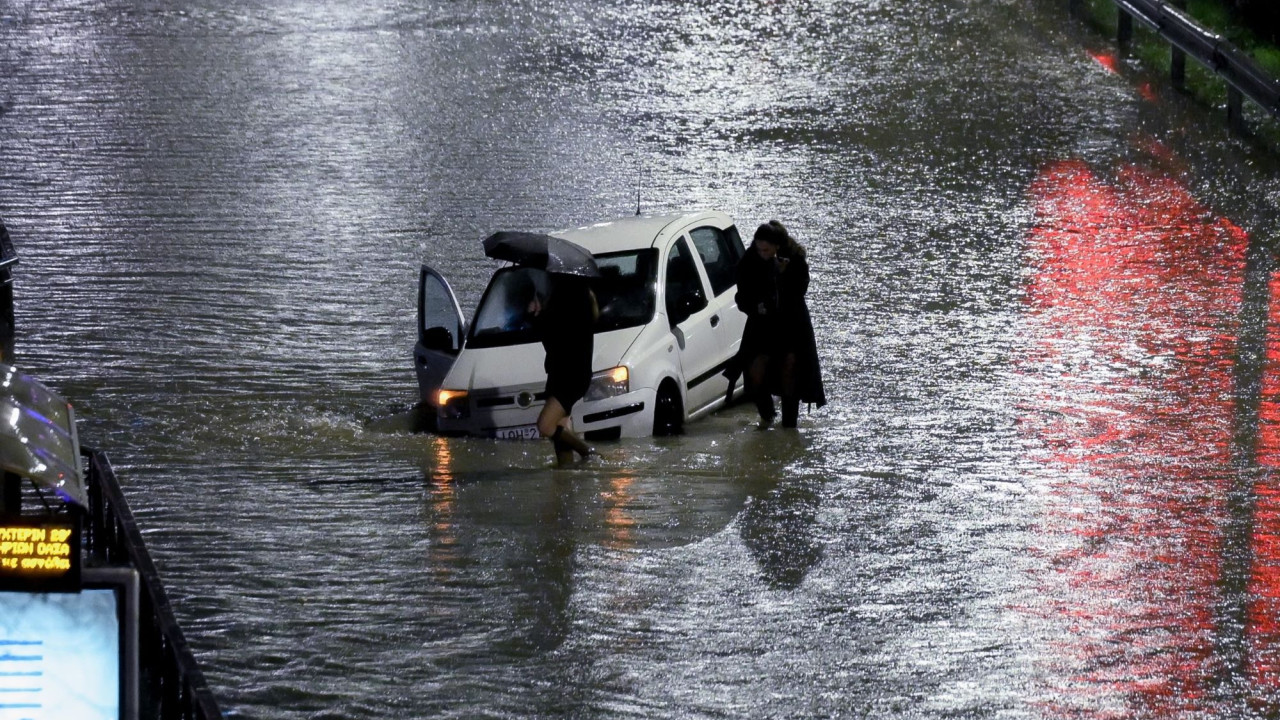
[[1044, 295]]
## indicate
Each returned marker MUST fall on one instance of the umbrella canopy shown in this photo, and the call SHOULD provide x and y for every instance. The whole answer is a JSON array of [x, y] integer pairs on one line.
[[545, 252]]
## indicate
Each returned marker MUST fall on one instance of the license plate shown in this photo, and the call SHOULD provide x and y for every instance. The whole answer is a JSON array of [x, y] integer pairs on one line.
[[520, 432]]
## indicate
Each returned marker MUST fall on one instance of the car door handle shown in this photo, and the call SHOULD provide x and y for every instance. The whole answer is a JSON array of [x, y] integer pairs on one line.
[[715, 320]]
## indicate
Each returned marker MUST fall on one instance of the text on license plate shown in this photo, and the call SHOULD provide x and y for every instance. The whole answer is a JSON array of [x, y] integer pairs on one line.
[[520, 432]]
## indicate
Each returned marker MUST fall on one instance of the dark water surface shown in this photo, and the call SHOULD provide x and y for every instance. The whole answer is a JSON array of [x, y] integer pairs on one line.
[[1043, 486]]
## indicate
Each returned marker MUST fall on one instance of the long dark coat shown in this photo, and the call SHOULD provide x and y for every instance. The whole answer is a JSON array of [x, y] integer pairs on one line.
[[566, 326], [778, 323]]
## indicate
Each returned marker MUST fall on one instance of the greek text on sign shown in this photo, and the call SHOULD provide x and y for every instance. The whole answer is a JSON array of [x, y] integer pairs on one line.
[[35, 550]]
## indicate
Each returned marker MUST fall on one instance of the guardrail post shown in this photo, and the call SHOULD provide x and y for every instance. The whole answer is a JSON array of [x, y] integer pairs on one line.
[[1235, 109], [1178, 68], [1178, 57], [1075, 7], [1124, 30]]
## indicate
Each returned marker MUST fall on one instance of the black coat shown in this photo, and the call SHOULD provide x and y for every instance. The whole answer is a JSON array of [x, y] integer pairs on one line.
[[778, 323], [566, 325]]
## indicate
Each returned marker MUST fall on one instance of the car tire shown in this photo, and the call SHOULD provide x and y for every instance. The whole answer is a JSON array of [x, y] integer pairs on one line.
[[668, 412]]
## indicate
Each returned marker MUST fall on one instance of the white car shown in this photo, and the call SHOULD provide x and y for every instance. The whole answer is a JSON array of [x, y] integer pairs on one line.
[[668, 329]]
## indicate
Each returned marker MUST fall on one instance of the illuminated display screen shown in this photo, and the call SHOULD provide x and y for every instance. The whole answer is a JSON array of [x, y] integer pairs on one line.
[[60, 656], [43, 557]]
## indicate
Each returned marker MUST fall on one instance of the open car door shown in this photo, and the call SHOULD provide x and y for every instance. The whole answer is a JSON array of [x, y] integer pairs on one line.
[[440, 332]]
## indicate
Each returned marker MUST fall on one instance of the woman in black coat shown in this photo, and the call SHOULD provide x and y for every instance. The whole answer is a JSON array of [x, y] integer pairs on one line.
[[779, 354], [567, 326]]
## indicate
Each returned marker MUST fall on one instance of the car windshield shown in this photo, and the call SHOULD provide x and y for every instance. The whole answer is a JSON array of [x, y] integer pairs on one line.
[[624, 290]]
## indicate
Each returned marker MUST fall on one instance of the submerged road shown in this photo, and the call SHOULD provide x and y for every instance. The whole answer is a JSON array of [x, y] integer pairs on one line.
[[1045, 293]]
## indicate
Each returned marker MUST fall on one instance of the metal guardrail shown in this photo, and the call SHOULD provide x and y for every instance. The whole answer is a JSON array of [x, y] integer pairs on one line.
[[173, 688], [1244, 77], [8, 259]]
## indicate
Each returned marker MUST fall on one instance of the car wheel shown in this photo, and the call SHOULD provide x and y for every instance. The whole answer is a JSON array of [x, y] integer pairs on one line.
[[668, 413]]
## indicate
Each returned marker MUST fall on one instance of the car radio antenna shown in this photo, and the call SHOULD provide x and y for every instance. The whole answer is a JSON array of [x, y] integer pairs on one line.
[[639, 181]]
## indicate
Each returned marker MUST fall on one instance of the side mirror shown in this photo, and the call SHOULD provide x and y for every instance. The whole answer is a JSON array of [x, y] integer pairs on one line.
[[438, 338], [690, 302]]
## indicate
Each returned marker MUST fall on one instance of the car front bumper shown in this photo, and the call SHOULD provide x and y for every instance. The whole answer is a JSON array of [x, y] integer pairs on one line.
[[512, 414]]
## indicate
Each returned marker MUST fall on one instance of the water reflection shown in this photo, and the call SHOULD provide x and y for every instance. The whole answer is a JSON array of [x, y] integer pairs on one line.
[[620, 525], [1258, 529], [777, 524], [778, 529], [221, 209], [521, 530], [1137, 307], [441, 503]]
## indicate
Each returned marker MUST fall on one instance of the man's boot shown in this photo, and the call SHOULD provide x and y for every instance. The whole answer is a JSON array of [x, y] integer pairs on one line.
[[790, 412]]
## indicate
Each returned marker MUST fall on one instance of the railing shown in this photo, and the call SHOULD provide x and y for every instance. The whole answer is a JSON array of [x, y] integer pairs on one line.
[[1244, 77], [173, 688]]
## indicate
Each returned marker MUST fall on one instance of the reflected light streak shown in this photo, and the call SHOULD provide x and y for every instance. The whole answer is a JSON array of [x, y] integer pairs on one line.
[[1106, 60], [442, 470], [1264, 582], [621, 525], [1133, 308], [1111, 63], [442, 492]]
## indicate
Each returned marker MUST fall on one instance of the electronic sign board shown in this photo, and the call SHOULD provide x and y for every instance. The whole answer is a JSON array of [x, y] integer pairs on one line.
[[71, 656], [43, 556]]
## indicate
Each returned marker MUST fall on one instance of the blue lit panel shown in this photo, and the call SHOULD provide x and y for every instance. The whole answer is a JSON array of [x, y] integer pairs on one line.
[[59, 656]]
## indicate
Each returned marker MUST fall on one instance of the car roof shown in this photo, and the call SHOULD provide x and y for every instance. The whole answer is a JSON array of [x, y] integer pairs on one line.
[[635, 232]]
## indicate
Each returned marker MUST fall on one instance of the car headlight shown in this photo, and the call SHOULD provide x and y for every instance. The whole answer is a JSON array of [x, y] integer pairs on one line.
[[609, 383], [452, 404]]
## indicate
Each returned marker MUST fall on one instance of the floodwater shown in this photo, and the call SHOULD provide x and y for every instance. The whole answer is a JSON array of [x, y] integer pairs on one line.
[[1047, 311]]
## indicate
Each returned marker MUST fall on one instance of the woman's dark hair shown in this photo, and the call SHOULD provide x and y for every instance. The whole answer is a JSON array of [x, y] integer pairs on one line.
[[774, 233]]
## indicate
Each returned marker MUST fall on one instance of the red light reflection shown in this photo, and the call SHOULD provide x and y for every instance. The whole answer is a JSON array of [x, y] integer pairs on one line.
[[1133, 313], [1106, 60], [1264, 581]]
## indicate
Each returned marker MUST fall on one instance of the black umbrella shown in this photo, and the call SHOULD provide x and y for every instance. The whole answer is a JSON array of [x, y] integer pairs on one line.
[[545, 252]]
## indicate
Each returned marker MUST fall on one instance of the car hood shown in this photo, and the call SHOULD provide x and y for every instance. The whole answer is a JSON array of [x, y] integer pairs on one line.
[[518, 365]]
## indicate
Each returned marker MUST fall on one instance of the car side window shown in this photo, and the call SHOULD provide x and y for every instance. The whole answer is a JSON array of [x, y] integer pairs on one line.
[[684, 294], [720, 253]]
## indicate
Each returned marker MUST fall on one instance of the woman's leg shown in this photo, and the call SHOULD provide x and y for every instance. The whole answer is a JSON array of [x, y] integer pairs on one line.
[[549, 427], [570, 438], [550, 417], [554, 423], [758, 388], [790, 398]]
